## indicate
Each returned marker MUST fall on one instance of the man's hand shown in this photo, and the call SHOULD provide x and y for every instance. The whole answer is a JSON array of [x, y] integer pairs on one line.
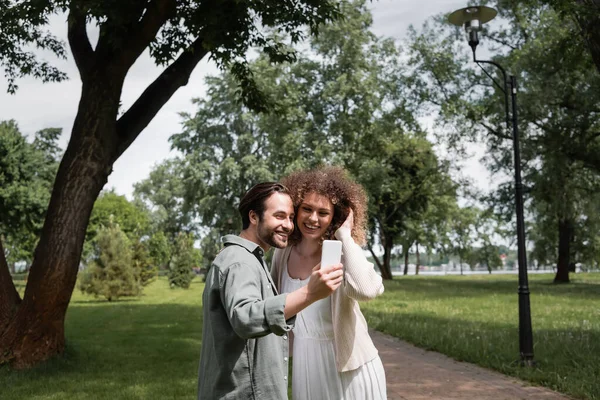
[[324, 281]]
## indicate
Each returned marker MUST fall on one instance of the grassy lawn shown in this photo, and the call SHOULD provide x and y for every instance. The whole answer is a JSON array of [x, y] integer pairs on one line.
[[148, 348], [145, 348], [475, 319]]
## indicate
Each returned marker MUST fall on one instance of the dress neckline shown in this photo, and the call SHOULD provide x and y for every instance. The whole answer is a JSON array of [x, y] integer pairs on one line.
[[287, 274]]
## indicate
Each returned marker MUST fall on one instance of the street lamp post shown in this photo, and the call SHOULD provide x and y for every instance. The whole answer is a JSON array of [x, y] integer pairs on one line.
[[472, 18]]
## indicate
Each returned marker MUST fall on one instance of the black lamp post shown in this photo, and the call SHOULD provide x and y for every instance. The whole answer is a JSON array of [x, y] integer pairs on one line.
[[472, 19]]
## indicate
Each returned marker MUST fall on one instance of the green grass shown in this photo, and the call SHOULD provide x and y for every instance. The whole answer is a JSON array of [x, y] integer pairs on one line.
[[149, 347], [145, 348], [475, 319]]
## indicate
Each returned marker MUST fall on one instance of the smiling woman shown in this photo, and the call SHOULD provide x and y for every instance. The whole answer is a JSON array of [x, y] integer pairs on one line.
[[334, 356], [340, 193]]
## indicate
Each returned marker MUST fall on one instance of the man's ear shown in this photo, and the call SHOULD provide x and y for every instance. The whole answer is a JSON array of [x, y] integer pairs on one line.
[[253, 217]]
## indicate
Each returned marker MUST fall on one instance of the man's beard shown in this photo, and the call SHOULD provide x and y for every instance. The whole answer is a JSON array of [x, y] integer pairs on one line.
[[271, 237]]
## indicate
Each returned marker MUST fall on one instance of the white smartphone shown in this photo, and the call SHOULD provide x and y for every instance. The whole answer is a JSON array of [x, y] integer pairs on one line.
[[331, 253]]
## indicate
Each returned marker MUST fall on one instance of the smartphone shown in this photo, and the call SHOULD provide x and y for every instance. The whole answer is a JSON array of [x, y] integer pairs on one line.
[[331, 253]]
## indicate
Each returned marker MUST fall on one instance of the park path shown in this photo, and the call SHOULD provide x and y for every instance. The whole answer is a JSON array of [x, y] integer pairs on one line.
[[417, 374]]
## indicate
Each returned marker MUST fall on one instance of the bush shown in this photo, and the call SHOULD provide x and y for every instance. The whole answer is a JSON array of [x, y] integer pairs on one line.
[[185, 257], [111, 273], [143, 265]]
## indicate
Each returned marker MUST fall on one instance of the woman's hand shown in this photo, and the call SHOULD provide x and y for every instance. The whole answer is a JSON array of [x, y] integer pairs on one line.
[[349, 222]]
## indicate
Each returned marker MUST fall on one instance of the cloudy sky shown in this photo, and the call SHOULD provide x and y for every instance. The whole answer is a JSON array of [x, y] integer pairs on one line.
[[37, 106]]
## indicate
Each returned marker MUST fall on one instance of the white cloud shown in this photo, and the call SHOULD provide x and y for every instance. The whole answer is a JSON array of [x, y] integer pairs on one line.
[[37, 106]]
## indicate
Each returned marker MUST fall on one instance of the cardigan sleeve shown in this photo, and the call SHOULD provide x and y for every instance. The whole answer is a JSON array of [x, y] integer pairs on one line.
[[361, 282]]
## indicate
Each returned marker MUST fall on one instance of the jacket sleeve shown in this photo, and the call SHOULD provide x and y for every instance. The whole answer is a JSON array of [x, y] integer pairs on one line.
[[250, 315], [276, 265], [361, 282]]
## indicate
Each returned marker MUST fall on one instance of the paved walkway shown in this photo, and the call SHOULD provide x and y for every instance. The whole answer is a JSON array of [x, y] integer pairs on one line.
[[417, 374]]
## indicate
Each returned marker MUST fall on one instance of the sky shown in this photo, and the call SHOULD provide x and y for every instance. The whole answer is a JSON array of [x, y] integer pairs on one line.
[[38, 105]]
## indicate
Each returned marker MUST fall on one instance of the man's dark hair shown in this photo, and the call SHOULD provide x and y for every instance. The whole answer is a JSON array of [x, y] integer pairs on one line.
[[254, 200]]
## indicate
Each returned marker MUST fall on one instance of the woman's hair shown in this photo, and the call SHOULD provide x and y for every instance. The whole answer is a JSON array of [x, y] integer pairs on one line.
[[255, 198], [335, 184]]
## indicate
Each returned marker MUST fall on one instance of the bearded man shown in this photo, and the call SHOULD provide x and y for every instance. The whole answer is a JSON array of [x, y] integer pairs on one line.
[[245, 351]]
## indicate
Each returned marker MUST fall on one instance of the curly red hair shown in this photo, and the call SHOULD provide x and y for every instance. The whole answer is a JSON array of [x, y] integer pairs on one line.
[[335, 184]]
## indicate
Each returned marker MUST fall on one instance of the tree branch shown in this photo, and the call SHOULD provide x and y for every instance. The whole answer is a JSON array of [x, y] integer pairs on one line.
[[589, 21], [495, 132], [375, 257], [157, 94], [9, 297], [78, 39], [502, 42], [156, 15]]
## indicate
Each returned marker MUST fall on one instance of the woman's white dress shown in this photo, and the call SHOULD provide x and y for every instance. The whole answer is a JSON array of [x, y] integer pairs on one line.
[[314, 372]]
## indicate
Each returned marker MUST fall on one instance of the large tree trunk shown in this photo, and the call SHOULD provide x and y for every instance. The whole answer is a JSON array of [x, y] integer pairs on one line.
[[565, 234], [36, 331], [406, 252]]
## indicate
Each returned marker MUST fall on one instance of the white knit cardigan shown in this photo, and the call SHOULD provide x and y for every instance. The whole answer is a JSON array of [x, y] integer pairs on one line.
[[353, 345]]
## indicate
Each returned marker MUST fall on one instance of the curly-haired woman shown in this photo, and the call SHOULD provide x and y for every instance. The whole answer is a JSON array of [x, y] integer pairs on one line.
[[334, 356]]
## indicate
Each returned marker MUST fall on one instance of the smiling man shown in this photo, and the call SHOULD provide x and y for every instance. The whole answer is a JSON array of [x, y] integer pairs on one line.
[[246, 321]]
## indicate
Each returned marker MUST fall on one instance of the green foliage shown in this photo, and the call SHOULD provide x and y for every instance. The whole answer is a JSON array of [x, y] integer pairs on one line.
[[210, 245], [185, 258], [145, 269], [27, 172], [164, 192], [111, 274], [133, 219], [463, 230], [159, 249], [559, 117], [345, 103], [174, 27]]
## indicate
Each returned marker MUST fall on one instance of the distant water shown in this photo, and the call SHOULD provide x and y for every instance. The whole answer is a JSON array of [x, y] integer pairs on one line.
[[467, 271]]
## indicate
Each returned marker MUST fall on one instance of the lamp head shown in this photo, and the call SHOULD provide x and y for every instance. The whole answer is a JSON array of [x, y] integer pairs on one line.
[[472, 18]]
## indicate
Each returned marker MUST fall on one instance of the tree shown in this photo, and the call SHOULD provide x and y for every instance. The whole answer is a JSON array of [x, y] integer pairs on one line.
[[178, 35], [131, 217], [587, 15], [185, 258], [159, 249], [346, 103], [111, 273], [556, 121], [164, 192], [27, 172], [431, 227], [463, 234], [400, 183], [487, 230], [144, 267]]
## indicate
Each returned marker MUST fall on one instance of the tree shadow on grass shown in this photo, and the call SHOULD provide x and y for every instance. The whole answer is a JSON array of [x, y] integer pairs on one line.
[[101, 300], [118, 351]]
